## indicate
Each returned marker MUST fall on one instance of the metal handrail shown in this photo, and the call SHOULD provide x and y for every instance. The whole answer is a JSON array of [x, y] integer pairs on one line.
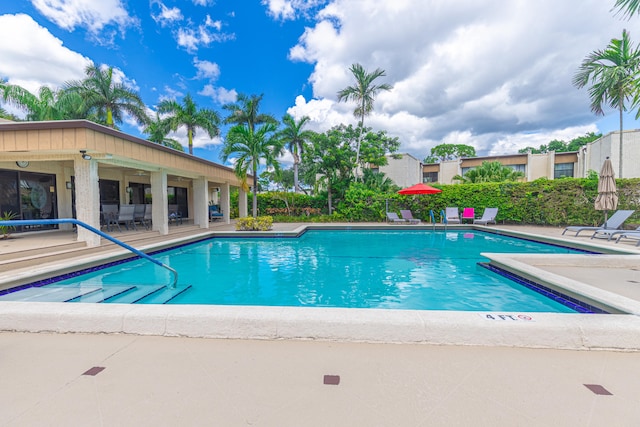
[[22, 222]]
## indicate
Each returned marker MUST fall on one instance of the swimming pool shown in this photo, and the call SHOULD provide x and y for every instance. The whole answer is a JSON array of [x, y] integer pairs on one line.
[[421, 269]]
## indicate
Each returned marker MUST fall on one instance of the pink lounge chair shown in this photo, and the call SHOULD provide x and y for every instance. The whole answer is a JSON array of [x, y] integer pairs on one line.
[[468, 213]]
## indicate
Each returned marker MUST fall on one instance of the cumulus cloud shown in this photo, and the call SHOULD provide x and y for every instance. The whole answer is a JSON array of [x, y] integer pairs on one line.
[[89, 14], [35, 55], [291, 9], [206, 69], [496, 75], [208, 32], [165, 15], [219, 94]]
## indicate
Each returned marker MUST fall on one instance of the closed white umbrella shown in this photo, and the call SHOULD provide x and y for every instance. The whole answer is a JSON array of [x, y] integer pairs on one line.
[[607, 199]]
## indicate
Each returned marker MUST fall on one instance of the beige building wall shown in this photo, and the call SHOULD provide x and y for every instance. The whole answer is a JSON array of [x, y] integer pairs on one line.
[[539, 166], [404, 171], [449, 169], [594, 154]]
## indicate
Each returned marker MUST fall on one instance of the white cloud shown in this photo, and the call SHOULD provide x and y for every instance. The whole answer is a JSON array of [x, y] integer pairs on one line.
[[291, 9], [206, 69], [89, 14], [204, 2], [204, 34], [35, 56], [219, 94], [166, 16], [495, 74]]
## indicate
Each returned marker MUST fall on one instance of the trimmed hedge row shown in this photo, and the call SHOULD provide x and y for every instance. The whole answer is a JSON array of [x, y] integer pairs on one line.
[[559, 202]]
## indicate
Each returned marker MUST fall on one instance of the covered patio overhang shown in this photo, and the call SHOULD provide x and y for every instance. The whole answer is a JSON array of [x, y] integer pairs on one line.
[[83, 156]]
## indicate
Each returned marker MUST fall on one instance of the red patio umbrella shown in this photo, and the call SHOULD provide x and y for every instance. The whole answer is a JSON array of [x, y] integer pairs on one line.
[[419, 189]]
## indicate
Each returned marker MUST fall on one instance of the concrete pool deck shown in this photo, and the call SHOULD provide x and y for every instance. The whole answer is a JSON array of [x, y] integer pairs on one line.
[[478, 374]]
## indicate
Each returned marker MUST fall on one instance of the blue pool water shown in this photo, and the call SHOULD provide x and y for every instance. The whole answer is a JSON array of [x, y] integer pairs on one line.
[[421, 269]]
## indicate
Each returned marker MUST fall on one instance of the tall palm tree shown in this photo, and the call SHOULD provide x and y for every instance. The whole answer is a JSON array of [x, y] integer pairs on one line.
[[613, 74], [109, 99], [48, 104], [189, 115], [628, 7], [245, 111], [363, 93], [157, 129], [251, 147], [295, 140]]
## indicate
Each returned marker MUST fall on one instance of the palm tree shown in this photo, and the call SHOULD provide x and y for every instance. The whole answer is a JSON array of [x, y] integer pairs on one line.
[[489, 172], [191, 117], [245, 111], [628, 7], [48, 104], [108, 98], [613, 74], [296, 140], [251, 147], [157, 129], [363, 93]]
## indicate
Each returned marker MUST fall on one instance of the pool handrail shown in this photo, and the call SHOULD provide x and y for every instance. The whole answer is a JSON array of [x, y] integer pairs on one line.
[[23, 222]]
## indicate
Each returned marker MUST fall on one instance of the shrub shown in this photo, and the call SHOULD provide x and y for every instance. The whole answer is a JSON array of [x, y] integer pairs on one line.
[[249, 223]]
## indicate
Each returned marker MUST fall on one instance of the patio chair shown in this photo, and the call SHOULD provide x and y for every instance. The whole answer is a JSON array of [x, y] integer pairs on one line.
[[109, 214], [175, 215], [214, 213], [468, 213], [489, 215], [407, 215], [138, 214], [634, 235], [146, 219], [393, 217], [452, 215], [613, 223], [125, 215], [610, 233]]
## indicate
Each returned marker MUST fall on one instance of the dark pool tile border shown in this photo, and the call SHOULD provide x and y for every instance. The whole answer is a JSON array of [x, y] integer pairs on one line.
[[566, 300]]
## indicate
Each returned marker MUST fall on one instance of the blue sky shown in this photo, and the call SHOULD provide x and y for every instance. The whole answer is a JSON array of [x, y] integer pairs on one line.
[[480, 72]]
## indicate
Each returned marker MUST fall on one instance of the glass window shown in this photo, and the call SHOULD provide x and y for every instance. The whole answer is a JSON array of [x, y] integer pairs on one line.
[[519, 168], [109, 192], [563, 170], [430, 177], [178, 196], [9, 200], [38, 198]]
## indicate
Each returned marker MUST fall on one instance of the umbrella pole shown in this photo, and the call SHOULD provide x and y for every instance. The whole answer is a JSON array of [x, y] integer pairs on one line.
[[605, 218]]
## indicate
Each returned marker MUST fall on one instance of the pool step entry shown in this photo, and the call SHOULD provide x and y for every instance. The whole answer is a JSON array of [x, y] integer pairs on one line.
[[50, 293], [118, 294]]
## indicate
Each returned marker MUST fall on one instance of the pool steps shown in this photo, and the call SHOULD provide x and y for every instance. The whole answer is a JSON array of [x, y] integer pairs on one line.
[[120, 294]]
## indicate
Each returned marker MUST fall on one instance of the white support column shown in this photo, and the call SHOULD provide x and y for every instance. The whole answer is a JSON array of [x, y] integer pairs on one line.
[[201, 202], [160, 211], [225, 202], [243, 204], [87, 199]]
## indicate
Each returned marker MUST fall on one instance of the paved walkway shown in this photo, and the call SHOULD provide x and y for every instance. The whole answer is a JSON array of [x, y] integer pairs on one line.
[[168, 381]]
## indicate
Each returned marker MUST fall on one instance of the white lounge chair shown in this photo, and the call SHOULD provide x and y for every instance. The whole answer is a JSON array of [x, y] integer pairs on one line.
[[452, 216], [408, 216], [393, 217], [609, 234], [613, 223], [489, 215]]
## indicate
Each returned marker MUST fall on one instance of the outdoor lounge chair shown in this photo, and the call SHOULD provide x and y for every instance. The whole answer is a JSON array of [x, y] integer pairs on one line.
[[634, 235], [452, 216], [408, 216], [214, 213], [175, 215], [609, 234], [613, 223], [393, 217], [125, 215], [468, 213], [489, 215]]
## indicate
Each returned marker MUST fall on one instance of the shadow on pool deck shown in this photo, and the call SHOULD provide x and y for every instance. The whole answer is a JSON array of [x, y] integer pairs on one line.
[[156, 380]]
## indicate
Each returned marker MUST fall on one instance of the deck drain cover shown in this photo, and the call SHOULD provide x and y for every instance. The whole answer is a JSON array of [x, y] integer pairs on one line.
[[598, 389], [332, 379], [94, 371]]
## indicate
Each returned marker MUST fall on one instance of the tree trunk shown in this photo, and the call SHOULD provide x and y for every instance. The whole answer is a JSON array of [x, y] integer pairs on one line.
[[329, 196], [190, 135], [296, 184], [255, 194], [620, 149]]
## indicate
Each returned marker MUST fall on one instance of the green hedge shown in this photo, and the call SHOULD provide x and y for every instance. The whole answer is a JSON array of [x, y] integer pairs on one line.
[[558, 202]]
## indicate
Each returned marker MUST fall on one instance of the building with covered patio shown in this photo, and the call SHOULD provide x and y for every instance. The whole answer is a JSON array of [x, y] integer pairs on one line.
[[70, 169]]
